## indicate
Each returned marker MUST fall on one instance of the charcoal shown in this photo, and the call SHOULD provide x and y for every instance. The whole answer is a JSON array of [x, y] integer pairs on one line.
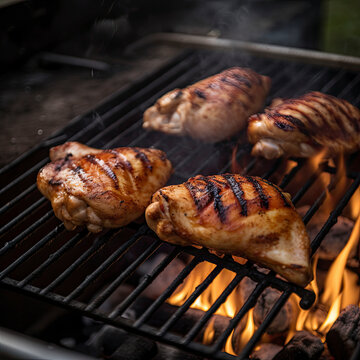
[[135, 348], [335, 239], [344, 335], [116, 344], [106, 340], [166, 352], [266, 351], [303, 346], [265, 302], [183, 325]]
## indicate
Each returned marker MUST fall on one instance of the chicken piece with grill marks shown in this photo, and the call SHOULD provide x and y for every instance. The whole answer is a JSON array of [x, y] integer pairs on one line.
[[211, 109], [101, 188], [239, 215], [303, 126]]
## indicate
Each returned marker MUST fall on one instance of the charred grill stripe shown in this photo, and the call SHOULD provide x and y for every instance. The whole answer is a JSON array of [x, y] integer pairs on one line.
[[264, 201], [214, 193], [338, 104], [237, 85], [200, 201], [283, 125], [79, 171], [294, 121], [53, 182], [164, 196], [329, 110], [104, 168], [242, 79], [143, 158], [355, 120], [306, 103], [286, 202], [200, 94], [238, 192]]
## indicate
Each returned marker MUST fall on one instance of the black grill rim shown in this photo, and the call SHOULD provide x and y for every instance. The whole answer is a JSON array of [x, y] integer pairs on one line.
[[139, 327]]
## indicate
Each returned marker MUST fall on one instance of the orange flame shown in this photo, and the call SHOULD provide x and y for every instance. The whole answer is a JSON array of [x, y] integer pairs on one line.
[[208, 297], [340, 290]]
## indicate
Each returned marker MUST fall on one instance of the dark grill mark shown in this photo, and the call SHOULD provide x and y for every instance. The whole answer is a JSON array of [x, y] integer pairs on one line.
[[264, 201], [237, 85], [295, 121], [283, 125], [121, 160], [164, 196], [81, 173], [238, 192], [242, 79], [104, 168], [178, 95], [330, 111], [200, 201], [200, 94], [53, 182], [214, 193], [335, 104], [286, 202], [143, 158]]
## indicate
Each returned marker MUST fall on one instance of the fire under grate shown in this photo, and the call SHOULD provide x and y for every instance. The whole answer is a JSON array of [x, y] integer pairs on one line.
[[80, 271]]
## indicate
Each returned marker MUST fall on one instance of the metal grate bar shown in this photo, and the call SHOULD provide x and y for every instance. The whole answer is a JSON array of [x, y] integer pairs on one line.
[[114, 257], [32, 250], [24, 175], [16, 199], [285, 89], [273, 169], [340, 74], [92, 124], [220, 300], [184, 307], [157, 303], [95, 247], [264, 325], [334, 215], [136, 99], [145, 282], [22, 215], [289, 176], [249, 303], [53, 257], [25, 233], [188, 72], [309, 182], [307, 297], [350, 86]]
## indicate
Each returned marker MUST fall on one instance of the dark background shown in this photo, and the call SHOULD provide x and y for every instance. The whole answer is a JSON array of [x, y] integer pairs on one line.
[[38, 97]]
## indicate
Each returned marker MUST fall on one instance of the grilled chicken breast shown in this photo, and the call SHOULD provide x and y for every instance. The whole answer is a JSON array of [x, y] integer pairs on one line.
[[211, 109], [303, 126], [101, 188], [244, 216]]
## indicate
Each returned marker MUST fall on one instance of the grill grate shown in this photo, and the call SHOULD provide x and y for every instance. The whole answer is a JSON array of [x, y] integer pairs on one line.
[[38, 257]]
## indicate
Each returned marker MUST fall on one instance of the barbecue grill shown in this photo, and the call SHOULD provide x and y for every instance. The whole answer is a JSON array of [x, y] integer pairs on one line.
[[79, 271]]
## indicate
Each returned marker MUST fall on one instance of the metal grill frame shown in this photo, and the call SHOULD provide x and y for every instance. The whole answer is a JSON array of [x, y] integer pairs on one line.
[[117, 112]]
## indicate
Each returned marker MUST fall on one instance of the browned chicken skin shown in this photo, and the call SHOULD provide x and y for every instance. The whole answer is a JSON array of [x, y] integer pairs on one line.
[[211, 109], [303, 126], [101, 188], [244, 216]]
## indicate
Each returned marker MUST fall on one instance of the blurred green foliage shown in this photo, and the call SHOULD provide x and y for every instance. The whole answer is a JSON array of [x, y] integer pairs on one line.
[[342, 27]]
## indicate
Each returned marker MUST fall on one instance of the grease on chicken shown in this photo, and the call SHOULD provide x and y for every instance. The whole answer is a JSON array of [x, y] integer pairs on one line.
[[101, 188], [244, 216], [301, 127], [212, 109]]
